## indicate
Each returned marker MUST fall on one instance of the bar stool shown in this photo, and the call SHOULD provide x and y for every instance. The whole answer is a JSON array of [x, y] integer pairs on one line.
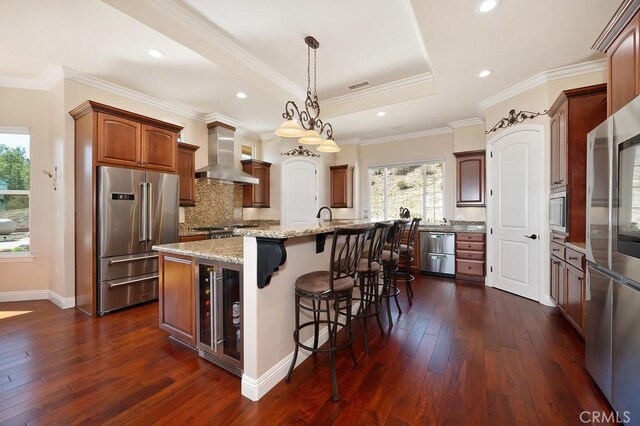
[[406, 253], [389, 261], [330, 293], [368, 273]]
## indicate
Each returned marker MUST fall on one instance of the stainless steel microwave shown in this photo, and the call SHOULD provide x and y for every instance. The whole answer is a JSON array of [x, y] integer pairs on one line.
[[558, 212]]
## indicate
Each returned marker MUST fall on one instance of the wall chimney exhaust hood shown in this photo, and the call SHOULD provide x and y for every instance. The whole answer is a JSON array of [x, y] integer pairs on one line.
[[220, 162]]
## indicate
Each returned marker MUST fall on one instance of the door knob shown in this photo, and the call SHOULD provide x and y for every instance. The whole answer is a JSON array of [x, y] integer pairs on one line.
[[532, 236]]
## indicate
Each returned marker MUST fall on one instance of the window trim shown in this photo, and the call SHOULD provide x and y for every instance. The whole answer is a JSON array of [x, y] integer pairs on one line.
[[408, 164], [20, 256]]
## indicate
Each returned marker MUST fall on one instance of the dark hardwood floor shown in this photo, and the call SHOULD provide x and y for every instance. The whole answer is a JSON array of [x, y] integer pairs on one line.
[[463, 354]]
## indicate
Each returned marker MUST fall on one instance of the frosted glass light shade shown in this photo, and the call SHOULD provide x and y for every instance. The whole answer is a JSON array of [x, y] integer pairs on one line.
[[311, 137], [290, 129], [329, 145]]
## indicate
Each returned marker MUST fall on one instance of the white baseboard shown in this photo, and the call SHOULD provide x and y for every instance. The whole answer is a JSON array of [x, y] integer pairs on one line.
[[256, 389], [21, 296], [547, 301], [62, 302]]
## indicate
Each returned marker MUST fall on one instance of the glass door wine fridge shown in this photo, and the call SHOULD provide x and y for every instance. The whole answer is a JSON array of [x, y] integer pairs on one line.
[[220, 314]]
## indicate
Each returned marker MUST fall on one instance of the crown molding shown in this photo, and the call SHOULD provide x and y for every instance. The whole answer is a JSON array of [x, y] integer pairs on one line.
[[619, 20], [404, 136], [45, 81], [88, 79], [465, 123], [216, 116], [541, 78], [350, 141], [381, 89]]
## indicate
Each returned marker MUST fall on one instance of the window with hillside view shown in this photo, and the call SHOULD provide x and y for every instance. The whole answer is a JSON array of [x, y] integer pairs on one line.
[[418, 187], [14, 192]]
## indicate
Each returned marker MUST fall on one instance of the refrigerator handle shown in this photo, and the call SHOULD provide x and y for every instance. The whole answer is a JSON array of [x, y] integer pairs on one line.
[[149, 211], [142, 229]]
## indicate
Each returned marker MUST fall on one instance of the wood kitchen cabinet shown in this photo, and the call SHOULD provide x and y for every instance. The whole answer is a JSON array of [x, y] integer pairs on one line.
[[341, 186], [574, 114], [568, 287], [470, 256], [177, 293], [258, 195], [470, 178], [186, 171], [188, 238], [130, 140]]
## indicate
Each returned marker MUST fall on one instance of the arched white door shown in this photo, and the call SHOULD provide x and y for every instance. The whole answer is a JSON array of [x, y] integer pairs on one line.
[[299, 191], [515, 211]]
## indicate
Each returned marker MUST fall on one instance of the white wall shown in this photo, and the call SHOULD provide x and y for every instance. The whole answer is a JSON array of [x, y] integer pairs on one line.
[[29, 108]]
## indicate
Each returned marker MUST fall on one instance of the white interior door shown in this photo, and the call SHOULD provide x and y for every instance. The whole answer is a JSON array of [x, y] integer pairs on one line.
[[299, 191], [515, 184]]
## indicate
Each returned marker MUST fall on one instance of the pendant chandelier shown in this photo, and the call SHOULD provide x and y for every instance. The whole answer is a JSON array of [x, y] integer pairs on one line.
[[306, 125]]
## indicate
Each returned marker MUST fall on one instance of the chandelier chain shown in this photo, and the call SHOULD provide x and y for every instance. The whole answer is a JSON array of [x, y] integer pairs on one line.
[[315, 73], [308, 68]]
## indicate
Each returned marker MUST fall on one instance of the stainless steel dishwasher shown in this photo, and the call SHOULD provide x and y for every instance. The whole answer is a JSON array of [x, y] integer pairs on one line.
[[437, 253]]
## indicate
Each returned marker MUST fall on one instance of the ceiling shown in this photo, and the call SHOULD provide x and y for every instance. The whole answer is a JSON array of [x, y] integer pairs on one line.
[[421, 57]]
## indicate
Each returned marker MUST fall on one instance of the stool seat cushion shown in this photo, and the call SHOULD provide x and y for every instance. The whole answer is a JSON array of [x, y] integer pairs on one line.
[[403, 249], [317, 282], [386, 256]]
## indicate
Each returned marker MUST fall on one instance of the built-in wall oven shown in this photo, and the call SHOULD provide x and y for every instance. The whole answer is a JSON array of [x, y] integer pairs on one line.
[[219, 314], [558, 212]]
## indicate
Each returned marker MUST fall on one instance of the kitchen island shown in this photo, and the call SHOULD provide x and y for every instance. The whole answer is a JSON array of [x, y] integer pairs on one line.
[[271, 260]]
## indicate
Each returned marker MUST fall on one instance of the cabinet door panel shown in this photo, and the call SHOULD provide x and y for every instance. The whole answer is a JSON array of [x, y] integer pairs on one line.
[[555, 279], [623, 68], [575, 296], [177, 298], [470, 179], [118, 141], [159, 149], [261, 191], [563, 146], [555, 152], [186, 170]]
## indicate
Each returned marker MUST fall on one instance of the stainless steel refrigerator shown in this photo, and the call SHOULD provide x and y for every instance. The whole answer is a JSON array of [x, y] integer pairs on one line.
[[136, 209], [612, 340]]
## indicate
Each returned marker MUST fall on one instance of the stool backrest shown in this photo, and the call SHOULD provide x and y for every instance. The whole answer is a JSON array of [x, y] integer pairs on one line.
[[412, 231], [377, 241], [397, 231], [346, 253]]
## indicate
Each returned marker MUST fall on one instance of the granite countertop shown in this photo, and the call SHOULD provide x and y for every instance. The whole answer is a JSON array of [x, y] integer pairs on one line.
[[192, 233], [472, 229], [222, 249], [302, 230], [579, 247]]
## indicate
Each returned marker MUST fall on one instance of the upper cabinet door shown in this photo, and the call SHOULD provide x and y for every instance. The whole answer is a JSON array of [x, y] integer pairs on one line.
[[622, 58], [159, 149], [261, 194], [186, 171], [470, 170], [563, 146], [118, 141], [555, 151]]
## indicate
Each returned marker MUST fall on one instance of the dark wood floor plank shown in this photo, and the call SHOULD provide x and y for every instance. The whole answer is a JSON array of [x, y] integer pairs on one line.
[[463, 353]]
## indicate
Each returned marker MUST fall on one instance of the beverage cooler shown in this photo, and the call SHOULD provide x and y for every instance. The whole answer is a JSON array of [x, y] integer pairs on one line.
[[219, 314]]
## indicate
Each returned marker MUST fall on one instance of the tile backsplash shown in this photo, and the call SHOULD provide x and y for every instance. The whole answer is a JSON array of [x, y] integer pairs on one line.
[[216, 203]]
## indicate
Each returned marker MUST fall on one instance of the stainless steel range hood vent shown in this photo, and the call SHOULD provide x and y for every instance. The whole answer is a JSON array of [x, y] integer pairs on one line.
[[220, 164]]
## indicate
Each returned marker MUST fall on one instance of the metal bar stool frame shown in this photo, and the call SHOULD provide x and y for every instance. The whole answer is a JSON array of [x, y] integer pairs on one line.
[[406, 275], [335, 300], [389, 264]]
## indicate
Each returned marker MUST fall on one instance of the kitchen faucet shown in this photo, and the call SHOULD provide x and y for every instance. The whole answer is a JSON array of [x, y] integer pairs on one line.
[[330, 213]]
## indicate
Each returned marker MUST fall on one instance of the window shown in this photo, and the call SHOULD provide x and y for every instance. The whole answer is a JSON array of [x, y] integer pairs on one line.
[[14, 191], [247, 152], [418, 187]]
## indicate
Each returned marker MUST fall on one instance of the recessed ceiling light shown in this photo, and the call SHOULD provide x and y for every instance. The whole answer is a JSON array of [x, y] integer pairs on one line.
[[241, 95], [485, 6], [155, 53], [381, 113], [484, 73]]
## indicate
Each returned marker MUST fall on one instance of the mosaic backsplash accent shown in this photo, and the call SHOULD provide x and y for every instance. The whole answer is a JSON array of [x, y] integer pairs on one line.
[[216, 203]]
